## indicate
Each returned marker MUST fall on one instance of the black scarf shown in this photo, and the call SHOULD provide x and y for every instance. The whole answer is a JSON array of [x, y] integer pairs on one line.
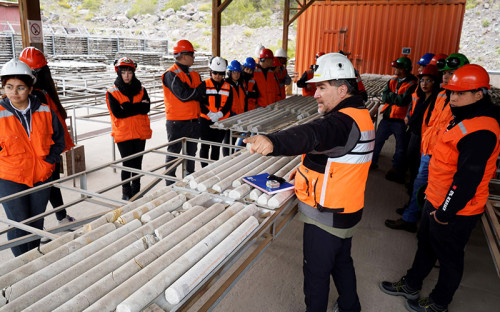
[[129, 90]]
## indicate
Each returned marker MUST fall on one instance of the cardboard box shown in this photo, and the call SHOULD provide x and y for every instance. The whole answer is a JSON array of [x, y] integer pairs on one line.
[[67, 164]]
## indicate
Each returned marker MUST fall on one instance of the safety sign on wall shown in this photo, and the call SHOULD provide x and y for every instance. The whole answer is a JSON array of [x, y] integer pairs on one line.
[[35, 31]]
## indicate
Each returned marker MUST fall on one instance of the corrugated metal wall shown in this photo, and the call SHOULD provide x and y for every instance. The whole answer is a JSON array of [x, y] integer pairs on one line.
[[375, 32]]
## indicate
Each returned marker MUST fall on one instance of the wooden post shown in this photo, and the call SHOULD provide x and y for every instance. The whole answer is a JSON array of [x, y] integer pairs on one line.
[[286, 17], [31, 23], [216, 27]]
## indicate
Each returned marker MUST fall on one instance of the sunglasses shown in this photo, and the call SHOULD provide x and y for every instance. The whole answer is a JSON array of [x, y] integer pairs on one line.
[[452, 62], [188, 53], [218, 73]]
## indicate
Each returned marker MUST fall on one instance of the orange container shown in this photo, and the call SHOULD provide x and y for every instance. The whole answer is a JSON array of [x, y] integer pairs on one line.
[[374, 33]]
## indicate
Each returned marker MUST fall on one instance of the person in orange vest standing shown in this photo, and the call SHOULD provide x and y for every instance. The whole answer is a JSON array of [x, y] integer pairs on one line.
[[251, 91], [32, 139], [397, 98], [265, 81], [235, 79], [308, 89], [330, 182], [282, 73], [182, 105], [214, 107], [129, 104], [463, 162], [45, 90]]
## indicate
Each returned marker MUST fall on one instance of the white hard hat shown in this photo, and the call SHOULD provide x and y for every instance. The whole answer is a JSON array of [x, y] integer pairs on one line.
[[218, 64], [280, 53], [259, 48], [16, 67], [333, 66]]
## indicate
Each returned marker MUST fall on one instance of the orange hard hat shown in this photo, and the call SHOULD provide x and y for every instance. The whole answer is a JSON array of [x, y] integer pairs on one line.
[[183, 46], [276, 62], [33, 57], [437, 57], [469, 77], [125, 61], [266, 53], [429, 70], [319, 54]]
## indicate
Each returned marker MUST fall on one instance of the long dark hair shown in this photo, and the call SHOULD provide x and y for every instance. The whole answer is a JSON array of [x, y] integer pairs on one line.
[[45, 82]]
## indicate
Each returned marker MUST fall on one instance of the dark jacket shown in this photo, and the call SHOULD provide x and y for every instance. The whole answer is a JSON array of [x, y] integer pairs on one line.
[[128, 109]]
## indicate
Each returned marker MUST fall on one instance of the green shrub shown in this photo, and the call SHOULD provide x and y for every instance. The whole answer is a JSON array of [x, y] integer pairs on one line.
[[64, 4], [247, 32], [140, 7], [251, 13], [485, 23], [205, 7], [89, 16], [471, 4], [196, 45], [207, 33], [92, 5], [200, 25], [175, 4]]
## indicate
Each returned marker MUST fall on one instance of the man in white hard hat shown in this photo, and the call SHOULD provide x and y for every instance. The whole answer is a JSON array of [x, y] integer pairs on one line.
[[330, 182], [281, 73]]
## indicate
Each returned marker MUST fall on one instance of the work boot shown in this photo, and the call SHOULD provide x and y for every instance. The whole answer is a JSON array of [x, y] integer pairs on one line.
[[126, 192], [401, 224], [424, 305], [394, 176], [399, 288]]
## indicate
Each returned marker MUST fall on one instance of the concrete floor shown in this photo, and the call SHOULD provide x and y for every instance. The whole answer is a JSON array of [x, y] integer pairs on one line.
[[274, 282]]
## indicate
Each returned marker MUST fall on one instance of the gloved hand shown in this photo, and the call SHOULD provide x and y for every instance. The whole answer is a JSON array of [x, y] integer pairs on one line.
[[218, 116], [212, 116]]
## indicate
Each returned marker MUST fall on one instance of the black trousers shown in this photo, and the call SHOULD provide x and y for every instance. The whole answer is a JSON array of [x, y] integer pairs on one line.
[[213, 135], [445, 243], [327, 255], [177, 129], [126, 149], [55, 198]]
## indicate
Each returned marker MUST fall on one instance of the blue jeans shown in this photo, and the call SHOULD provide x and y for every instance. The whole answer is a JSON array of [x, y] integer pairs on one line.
[[23, 208], [385, 129], [411, 213]]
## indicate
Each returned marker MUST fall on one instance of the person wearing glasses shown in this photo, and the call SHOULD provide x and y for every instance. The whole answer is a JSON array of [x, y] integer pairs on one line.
[[31, 141], [214, 107], [45, 90], [463, 162], [423, 101], [129, 104], [182, 105], [397, 98]]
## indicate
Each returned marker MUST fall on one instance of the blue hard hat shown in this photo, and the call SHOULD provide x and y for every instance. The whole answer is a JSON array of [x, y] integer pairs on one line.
[[249, 63], [234, 66], [425, 59]]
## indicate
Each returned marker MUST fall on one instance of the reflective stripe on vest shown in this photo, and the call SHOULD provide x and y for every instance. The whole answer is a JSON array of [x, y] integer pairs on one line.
[[22, 157], [176, 109], [443, 164], [129, 128], [342, 183]]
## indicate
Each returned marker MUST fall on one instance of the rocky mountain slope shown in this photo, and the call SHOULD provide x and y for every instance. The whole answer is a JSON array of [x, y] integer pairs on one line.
[[248, 27]]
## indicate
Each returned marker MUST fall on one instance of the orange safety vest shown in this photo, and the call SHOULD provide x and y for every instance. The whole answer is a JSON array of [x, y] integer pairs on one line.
[[361, 86], [238, 106], [305, 91], [175, 109], [414, 101], [129, 128], [439, 120], [251, 103], [22, 158], [280, 76], [68, 142], [443, 164], [398, 112], [341, 187], [268, 87], [213, 106]]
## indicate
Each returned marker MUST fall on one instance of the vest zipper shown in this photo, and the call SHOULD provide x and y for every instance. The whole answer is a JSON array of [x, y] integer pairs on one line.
[[305, 178]]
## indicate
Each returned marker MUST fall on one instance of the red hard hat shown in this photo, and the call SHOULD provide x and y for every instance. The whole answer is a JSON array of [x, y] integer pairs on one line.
[[125, 61], [319, 54], [276, 62], [469, 77], [33, 57], [266, 53], [435, 58], [429, 70], [183, 46]]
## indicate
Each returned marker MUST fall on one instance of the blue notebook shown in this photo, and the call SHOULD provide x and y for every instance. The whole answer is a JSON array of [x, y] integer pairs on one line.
[[259, 181]]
